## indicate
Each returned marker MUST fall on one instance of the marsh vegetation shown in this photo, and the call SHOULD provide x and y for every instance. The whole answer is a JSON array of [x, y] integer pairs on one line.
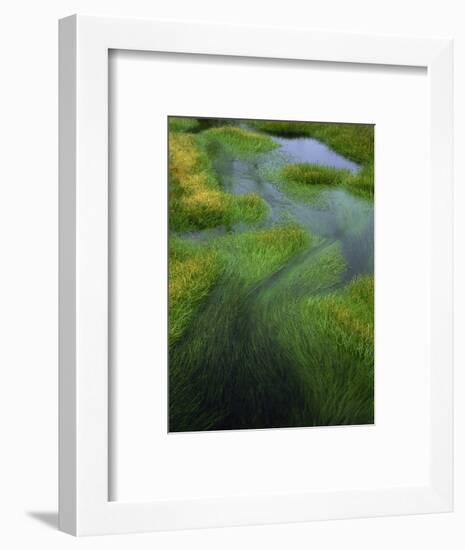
[[271, 289]]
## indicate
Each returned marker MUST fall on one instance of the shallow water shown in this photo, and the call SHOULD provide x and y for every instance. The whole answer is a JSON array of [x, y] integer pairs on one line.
[[335, 213], [313, 151]]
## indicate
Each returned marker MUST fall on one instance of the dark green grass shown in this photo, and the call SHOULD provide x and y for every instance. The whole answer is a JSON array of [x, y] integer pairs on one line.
[[183, 124], [334, 354], [246, 361]]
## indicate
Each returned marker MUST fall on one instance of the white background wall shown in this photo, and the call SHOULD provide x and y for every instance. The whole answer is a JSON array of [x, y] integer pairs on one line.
[[28, 269]]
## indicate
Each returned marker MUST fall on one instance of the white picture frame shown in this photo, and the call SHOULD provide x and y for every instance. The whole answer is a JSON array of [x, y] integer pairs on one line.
[[84, 505]]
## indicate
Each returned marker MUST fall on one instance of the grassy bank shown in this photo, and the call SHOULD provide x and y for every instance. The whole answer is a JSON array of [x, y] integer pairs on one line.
[[196, 200], [354, 141], [297, 178], [193, 270]]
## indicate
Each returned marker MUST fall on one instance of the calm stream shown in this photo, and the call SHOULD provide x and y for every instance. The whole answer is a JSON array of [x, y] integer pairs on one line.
[[335, 214]]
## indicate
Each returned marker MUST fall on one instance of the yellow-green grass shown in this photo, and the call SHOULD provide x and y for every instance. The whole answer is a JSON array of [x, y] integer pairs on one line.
[[239, 141], [193, 269], [196, 200], [182, 124]]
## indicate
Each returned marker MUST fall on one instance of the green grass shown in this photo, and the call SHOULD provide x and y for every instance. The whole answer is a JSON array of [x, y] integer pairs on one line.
[[212, 368], [238, 141], [193, 269], [313, 174], [182, 124], [362, 183], [353, 141], [336, 356], [327, 336], [264, 330], [305, 175], [251, 255], [196, 199], [280, 341], [313, 195]]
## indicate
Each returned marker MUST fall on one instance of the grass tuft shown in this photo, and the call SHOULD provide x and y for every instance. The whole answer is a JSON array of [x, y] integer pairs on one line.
[[313, 174], [251, 255], [182, 124], [239, 141], [354, 141]]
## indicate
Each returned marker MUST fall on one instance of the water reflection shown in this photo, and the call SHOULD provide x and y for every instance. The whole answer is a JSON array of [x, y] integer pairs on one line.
[[336, 213], [314, 152]]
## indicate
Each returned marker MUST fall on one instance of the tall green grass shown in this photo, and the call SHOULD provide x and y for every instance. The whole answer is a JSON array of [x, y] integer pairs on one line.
[[362, 183], [212, 368], [313, 174], [193, 269], [334, 354], [238, 141], [279, 341]]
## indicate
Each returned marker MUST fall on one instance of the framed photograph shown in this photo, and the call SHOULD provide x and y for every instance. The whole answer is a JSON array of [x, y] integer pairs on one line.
[[255, 275]]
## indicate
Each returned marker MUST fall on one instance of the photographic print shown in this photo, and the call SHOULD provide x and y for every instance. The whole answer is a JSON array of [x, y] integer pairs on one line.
[[271, 274]]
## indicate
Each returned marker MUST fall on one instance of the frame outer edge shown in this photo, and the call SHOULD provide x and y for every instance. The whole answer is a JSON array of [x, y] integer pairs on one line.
[[442, 393], [83, 415], [67, 496]]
